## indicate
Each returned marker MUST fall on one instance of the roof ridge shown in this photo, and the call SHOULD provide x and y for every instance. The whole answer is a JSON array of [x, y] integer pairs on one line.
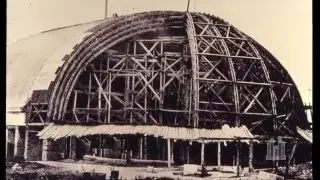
[[74, 25], [58, 28]]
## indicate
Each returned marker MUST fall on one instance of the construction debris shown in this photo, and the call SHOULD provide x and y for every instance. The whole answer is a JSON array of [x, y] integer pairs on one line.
[[189, 169], [16, 167]]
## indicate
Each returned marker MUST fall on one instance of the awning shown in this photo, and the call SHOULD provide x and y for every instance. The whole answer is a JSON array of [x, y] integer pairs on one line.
[[56, 131], [306, 134]]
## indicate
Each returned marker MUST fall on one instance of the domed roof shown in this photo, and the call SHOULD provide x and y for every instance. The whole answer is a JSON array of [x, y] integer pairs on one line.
[[33, 61], [219, 54]]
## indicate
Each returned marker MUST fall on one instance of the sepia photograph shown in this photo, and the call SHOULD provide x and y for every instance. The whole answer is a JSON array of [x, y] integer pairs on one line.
[[159, 90]]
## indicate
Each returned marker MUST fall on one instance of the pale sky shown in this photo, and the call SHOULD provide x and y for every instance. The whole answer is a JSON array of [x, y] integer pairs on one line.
[[284, 27]]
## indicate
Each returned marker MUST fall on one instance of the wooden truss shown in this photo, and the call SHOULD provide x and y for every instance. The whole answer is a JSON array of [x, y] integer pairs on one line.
[[208, 75], [149, 84]]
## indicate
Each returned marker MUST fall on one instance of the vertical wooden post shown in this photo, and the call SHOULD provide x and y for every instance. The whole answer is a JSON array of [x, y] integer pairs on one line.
[[133, 82], [74, 148], [89, 96], [182, 152], [129, 147], [100, 146], [124, 148], [99, 103], [121, 149], [250, 155], [127, 87], [172, 152], [161, 93], [73, 151], [106, 106], [109, 89], [90, 150], [158, 149], [188, 153], [141, 147], [292, 152], [7, 140], [145, 149], [219, 154], [164, 151], [169, 153], [67, 151], [75, 104], [45, 148], [287, 162], [178, 100], [238, 158], [16, 141], [70, 147], [25, 154], [202, 152]]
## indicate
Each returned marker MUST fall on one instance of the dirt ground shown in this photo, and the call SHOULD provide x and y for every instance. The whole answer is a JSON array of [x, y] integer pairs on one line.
[[43, 167], [75, 170]]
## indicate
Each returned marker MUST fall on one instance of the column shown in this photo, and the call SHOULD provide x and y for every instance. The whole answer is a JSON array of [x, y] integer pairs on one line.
[[250, 155], [219, 154], [169, 153], [141, 147], [26, 143], [100, 146], [145, 149], [45, 148], [16, 141], [72, 151], [171, 150], [287, 162], [188, 153], [158, 149], [238, 158], [7, 140], [202, 153]]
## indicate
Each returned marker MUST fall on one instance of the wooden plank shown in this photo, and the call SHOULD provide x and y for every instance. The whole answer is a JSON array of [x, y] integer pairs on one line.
[[202, 153], [100, 146], [89, 98], [238, 158], [219, 154], [75, 105], [109, 91], [38, 113], [169, 153], [16, 141], [292, 152], [250, 155], [26, 141], [145, 148], [218, 37], [255, 99], [7, 141], [188, 153], [194, 61], [141, 147], [229, 56]]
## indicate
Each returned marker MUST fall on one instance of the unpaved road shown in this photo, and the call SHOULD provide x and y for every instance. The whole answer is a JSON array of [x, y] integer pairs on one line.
[[129, 172]]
